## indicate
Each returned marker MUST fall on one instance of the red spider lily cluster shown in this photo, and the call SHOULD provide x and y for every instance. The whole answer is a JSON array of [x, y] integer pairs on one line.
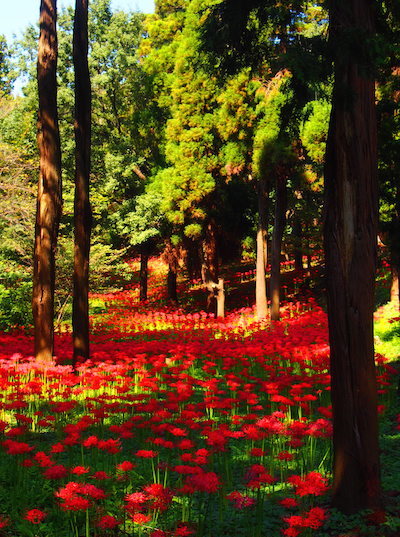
[[176, 417]]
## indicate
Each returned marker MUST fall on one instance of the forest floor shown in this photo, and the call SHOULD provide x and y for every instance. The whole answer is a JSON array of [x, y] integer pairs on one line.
[[182, 424]]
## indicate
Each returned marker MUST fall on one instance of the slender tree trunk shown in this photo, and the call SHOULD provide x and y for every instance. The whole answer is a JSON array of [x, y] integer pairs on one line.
[[220, 296], [144, 261], [276, 246], [351, 214], [209, 269], [297, 239], [261, 260], [171, 256], [82, 209], [49, 202], [171, 285]]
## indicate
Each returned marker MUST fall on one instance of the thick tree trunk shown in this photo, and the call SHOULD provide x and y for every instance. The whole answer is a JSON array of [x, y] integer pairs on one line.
[[82, 209], [49, 202], [209, 270], [193, 261], [276, 246], [143, 277], [351, 212], [171, 256], [261, 260]]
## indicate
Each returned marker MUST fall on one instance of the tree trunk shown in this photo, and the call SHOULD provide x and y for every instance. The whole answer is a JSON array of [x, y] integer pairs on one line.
[[171, 256], [261, 260], [351, 214], [82, 209], [277, 235], [49, 202], [297, 236], [193, 262], [220, 296], [209, 269], [144, 260]]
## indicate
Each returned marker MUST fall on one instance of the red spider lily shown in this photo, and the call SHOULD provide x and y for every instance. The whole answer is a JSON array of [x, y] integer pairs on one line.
[[241, 501], [285, 456], [78, 496], [203, 482], [313, 483], [100, 475], [125, 466], [36, 516], [4, 521], [107, 522], [256, 476], [43, 459], [160, 497], [146, 453], [140, 518], [80, 470], [16, 448], [58, 471]]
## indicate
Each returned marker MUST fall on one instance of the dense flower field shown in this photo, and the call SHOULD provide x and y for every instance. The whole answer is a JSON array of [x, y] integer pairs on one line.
[[180, 425]]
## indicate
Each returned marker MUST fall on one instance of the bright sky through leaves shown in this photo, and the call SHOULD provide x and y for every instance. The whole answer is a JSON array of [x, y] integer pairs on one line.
[[16, 16]]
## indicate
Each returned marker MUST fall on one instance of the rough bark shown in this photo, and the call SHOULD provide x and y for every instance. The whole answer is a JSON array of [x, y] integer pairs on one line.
[[350, 232], [276, 245], [49, 202], [297, 239], [261, 259], [209, 270], [172, 255], [143, 277], [82, 209]]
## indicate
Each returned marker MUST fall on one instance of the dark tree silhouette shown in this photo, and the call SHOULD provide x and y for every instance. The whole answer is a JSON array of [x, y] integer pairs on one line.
[[82, 209], [351, 215]]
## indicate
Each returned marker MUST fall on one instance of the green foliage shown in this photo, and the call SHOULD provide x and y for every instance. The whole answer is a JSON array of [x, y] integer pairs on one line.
[[15, 293], [314, 130], [6, 75]]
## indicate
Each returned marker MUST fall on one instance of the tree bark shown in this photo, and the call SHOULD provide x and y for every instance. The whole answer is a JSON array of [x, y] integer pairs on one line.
[[351, 215], [49, 201], [144, 260], [82, 209], [276, 246], [261, 260], [209, 270], [171, 256], [297, 240]]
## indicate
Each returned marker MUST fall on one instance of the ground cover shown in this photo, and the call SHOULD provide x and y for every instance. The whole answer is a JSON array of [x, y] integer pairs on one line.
[[181, 424]]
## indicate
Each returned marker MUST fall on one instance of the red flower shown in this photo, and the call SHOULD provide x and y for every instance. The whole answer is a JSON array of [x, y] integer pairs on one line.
[[107, 522], [4, 521], [36, 516], [16, 448], [312, 483], [288, 502], [146, 453], [55, 472], [141, 518], [125, 466], [80, 470], [204, 482]]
